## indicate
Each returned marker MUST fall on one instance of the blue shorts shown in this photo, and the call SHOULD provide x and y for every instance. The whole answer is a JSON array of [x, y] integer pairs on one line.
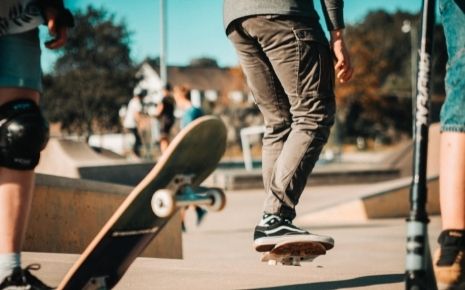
[[453, 110], [20, 61]]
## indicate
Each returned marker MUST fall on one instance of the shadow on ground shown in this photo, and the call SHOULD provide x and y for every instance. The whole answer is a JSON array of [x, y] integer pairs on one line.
[[348, 283]]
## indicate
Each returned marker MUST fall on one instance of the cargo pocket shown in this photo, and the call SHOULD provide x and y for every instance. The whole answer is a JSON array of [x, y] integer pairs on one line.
[[315, 64]]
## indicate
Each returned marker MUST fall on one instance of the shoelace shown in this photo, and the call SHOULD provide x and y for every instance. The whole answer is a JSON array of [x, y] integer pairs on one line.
[[33, 267], [289, 222], [25, 273]]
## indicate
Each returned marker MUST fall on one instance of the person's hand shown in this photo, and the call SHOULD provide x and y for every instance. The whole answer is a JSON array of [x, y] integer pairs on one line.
[[56, 29], [343, 66]]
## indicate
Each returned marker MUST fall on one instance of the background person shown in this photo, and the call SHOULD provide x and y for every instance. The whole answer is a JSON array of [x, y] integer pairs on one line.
[[165, 114], [133, 118], [182, 96]]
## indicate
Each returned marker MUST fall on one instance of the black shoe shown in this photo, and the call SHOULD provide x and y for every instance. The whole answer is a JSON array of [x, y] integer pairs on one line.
[[22, 279], [273, 230], [449, 260]]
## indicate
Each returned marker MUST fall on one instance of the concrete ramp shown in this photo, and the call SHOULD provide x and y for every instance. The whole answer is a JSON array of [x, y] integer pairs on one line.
[[402, 159], [64, 158], [67, 214], [389, 199], [76, 159]]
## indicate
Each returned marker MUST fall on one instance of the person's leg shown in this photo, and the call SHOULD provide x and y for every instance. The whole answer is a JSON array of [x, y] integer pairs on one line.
[[450, 257], [270, 98], [452, 159], [137, 141], [165, 129], [200, 212], [301, 60], [164, 143], [284, 76], [452, 180], [15, 199], [20, 79]]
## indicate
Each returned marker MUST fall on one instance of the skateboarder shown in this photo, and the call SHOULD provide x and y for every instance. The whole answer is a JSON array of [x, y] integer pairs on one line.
[[23, 130], [133, 117], [450, 257], [288, 64], [182, 96], [165, 113]]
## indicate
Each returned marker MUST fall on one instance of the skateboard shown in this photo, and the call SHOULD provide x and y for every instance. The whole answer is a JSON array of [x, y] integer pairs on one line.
[[292, 253], [172, 183]]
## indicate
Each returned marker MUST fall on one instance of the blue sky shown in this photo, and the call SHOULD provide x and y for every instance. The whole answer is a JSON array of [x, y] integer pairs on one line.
[[195, 27]]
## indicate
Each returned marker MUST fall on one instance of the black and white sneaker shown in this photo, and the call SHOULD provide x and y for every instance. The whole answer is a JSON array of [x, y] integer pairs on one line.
[[274, 229], [22, 279]]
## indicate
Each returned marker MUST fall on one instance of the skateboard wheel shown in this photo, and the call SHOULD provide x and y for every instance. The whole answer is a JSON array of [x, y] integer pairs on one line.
[[163, 203], [218, 199], [272, 262], [296, 261]]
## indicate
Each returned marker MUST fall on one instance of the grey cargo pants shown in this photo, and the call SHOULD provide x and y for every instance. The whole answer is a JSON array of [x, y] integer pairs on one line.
[[289, 68]]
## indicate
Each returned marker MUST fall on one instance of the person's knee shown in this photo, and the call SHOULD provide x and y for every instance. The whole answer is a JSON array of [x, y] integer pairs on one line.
[[11, 94], [24, 133]]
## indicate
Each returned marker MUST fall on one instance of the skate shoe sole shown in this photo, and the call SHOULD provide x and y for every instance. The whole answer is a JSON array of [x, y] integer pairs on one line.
[[267, 244]]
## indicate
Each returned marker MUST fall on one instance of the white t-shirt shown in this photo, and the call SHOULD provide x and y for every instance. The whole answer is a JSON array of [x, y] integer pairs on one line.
[[134, 107], [18, 16]]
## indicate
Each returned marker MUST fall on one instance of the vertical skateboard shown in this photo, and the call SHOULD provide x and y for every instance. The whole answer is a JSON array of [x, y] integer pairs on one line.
[[292, 253], [173, 182]]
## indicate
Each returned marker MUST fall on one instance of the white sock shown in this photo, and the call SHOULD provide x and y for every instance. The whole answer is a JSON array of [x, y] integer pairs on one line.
[[7, 263]]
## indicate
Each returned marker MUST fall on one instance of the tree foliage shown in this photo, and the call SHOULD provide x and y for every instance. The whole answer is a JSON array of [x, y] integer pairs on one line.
[[378, 98], [92, 77]]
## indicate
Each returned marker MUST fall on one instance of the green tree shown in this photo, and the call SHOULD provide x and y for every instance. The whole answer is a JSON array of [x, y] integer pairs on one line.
[[93, 76], [381, 55]]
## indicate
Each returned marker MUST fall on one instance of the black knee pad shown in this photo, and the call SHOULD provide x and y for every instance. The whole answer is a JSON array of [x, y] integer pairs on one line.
[[24, 133]]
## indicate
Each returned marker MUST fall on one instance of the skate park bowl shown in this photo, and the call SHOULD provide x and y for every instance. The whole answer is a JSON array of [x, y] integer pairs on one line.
[[67, 213], [76, 208], [76, 159]]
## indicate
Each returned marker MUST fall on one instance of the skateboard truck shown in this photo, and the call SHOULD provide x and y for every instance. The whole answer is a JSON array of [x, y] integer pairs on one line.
[[292, 253], [291, 260], [181, 193]]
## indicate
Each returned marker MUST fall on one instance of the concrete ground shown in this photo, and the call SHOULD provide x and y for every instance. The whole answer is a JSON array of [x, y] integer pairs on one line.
[[219, 254]]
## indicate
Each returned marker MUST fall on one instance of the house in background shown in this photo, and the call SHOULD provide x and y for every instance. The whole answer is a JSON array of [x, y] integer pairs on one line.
[[210, 85], [217, 90]]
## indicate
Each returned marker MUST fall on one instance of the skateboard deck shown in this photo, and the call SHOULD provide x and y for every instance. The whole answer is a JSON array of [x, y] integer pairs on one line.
[[173, 182], [292, 253]]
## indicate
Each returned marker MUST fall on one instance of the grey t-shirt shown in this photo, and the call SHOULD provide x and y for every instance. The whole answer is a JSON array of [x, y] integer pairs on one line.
[[18, 16], [332, 9]]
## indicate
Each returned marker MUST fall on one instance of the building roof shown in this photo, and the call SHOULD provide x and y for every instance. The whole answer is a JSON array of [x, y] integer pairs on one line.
[[205, 78]]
